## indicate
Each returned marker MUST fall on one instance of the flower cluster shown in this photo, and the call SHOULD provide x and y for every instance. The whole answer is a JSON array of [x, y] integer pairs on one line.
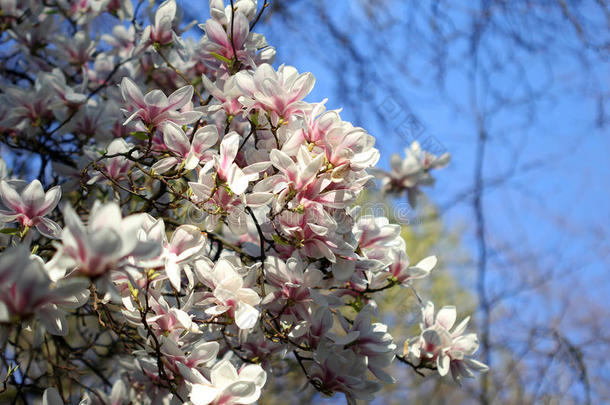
[[413, 171], [450, 351], [209, 225]]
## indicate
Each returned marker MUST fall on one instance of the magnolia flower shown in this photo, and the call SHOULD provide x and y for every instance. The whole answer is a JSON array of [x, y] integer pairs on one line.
[[236, 178], [305, 182], [30, 108], [116, 167], [165, 319], [278, 92], [107, 240], [412, 171], [346, 145], [314, 232], [221, 90], [186, 242], [222, 42], [291, 283], [29, 206], [369, 339], [161, 32], [230, 296], [186, 152], [228, 37], [449, 351], [342, 370], [27, 290], [403, 273], [155, 107], [228, 386], [196, 354], [57, 80]]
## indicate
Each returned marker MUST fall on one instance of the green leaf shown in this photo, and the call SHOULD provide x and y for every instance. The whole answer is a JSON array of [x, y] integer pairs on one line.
[[221, 58], [10, 231], [142, 136]]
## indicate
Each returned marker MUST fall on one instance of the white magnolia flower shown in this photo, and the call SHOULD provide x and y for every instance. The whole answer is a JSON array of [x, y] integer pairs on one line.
[[413, 171], [449, 351], [231, 297], [104, 243], [29, 205], [27, 290], [228, 386]]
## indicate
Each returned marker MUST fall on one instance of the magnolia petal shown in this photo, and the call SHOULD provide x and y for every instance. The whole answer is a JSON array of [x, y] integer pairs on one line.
[[246, 316]]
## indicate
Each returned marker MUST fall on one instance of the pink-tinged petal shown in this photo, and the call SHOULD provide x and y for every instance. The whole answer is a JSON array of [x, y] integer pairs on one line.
[[245, 82], [104, 245], [155, 98], [74, 225], [33, 197], [180, 97], [468, 344], [76, 300], [131, 93], [248, 296], [302, 86], [6, 216], [254, 170], [187, 117], [185, 320], [201, 191], [476, 365], [345, 339], [104, 215], [191, 161], [241, 29], [10, 197], [186, 241], [129, 227], [163, 165], [118, 393], [337, 198], [136, 114], [204, 139], [446, 317], [228, 150], [217, 34], [310, 171], [212, 89], [48, 228], [284, 163], [175, 139], [343, 269], [51, 199]]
